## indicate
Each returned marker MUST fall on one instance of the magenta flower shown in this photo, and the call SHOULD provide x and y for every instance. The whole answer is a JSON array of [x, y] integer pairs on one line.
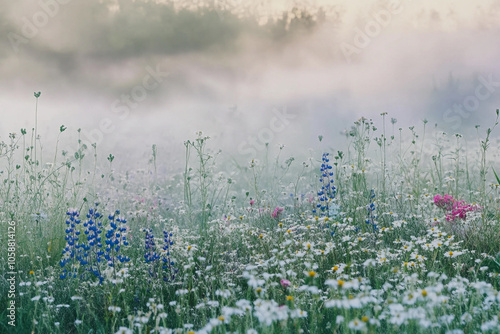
[[277, 212], [285, 283], [460, 210], [251, 202], [454, 209], [444, 202]]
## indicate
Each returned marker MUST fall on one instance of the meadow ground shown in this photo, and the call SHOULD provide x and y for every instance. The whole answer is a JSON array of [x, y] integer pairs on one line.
[[398, 233]]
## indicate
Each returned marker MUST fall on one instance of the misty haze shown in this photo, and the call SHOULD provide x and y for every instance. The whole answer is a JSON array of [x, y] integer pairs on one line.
[[231, 166]]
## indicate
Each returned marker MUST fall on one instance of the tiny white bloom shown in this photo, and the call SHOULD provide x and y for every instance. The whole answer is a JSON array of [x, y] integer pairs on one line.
[[115, 309], [124, 330]]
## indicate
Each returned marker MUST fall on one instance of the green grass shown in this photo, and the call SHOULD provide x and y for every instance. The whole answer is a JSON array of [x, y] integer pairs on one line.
[[416, 273]]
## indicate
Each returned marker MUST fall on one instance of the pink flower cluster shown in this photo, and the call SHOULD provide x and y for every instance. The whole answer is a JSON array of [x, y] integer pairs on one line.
[[285, 283], [444, 202], [454, 209], [277, 212]]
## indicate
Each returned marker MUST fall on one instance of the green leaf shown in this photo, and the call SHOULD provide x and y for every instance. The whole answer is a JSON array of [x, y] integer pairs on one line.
[[496, 175]]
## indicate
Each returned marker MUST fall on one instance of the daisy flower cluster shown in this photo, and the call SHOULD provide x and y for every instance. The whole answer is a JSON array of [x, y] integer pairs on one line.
[[266, 249]]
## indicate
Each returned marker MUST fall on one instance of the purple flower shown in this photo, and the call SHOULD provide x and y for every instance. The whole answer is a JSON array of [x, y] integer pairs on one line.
[[285, 283], [277, 212]]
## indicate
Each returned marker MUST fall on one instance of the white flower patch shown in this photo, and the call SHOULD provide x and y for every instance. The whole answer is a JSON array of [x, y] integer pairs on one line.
[[268, 311]]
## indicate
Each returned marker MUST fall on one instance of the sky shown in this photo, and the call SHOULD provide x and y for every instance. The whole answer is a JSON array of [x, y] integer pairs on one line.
[[130, 74]]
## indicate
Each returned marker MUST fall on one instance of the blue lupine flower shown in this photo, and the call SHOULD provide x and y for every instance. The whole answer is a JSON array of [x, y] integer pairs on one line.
[[168, 265], [72, 250], [88, 254], [151, 256], [328, 191]]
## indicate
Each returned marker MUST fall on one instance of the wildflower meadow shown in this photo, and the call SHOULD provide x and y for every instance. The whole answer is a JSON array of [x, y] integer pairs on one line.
[[392, 231]]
